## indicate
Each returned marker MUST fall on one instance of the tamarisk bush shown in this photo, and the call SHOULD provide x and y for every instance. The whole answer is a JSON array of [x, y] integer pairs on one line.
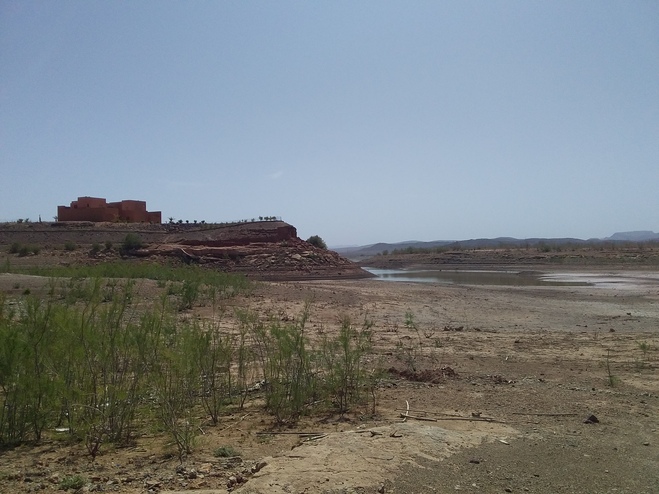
[[87, 359]]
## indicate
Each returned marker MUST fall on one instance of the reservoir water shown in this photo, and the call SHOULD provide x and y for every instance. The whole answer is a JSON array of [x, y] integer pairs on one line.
[[617, 279], [476, 277]]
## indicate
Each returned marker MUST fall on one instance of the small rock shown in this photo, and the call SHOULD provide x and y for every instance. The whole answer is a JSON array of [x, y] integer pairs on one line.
[[591, 420], [381, 489], [474, 461]]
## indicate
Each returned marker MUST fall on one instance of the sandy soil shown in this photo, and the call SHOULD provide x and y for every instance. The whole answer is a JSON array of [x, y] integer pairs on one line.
[[530, 368]]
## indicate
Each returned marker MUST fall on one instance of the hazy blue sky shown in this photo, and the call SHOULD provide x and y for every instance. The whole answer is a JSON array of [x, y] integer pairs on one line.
[[359, 121]]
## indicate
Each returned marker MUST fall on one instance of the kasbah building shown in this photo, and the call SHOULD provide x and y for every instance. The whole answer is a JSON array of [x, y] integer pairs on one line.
[[97, 209]]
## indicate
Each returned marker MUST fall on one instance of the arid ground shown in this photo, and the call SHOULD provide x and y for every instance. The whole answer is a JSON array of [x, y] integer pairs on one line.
[[489, 390]]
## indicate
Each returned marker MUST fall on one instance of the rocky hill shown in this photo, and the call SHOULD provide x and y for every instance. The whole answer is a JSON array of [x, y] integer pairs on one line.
[[262, 250], [635, 236], [366, 251]]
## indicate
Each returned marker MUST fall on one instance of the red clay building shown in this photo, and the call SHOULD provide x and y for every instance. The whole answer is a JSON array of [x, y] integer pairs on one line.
[[97, 209]]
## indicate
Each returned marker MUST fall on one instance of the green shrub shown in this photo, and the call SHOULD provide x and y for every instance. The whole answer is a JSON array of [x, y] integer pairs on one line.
[[131, 242], [342, 358], [70, 246], [225, 452], [108, 245], [316, 241], [24, 250], [96, 248], [72, 482], [189, 294], [287, 367]]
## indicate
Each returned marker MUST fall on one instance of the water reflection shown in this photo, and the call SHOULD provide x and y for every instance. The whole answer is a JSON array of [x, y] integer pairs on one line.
[[473, 277]]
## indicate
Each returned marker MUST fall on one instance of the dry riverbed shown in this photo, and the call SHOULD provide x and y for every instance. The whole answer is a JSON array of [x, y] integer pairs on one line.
[[497, 390]]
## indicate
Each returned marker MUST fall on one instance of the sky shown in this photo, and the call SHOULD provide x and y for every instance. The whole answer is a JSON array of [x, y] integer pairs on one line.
[[361, 122]]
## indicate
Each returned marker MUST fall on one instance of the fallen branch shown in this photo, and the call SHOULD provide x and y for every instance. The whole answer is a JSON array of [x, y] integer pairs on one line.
[[289, 433], [407, 412], [314, 438], [429, 413], [468, 419], [427, 419], [237, 422], [547, 414]]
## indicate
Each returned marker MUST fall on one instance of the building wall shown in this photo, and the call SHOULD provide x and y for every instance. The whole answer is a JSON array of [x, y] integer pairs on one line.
[[89, 202], [97, 209], [65, 213], [155, 216]]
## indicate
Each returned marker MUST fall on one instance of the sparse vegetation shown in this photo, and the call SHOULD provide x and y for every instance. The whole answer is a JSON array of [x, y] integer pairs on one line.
[[644, 346], [544, 246], [226, 284], [409, 350], [23, 250], [86, 355], [611, 379]]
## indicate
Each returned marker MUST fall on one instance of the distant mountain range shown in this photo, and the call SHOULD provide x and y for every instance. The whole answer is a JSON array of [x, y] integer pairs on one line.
[[364, 251], [639, 236]]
